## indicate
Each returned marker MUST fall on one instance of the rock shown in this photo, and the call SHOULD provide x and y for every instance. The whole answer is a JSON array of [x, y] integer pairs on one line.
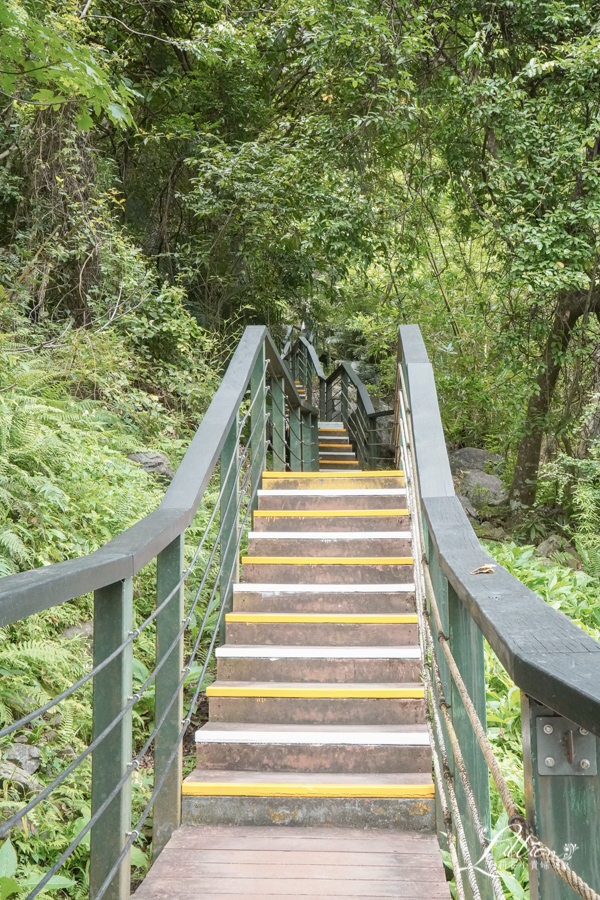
[[489, 532], [467, 506], [553, 544], [12, 772], [483, 489], [25, 756], [154, 463], [468, 459], [85, 630]]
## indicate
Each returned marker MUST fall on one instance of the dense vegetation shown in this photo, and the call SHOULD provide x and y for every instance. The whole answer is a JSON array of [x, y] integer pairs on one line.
[[171, 171]]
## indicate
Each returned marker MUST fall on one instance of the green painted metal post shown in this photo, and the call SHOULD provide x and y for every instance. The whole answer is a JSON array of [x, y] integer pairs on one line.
[[328, 403], [344, 396], [315, 442], [258, 421], [373, 449], [564, 809], [229, 521], [278, 423], [113, 622], [323, 400], [295, 439], [306, 430], [167, 806], [466, 641], [440, 586]]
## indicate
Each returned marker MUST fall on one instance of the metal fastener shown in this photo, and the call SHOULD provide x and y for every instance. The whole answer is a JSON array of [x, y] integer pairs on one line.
[[549, 761], [585, 763], [548, 729], [583, 731]]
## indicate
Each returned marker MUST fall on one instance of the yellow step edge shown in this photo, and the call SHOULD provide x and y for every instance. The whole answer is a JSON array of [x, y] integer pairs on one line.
[[337, 446], [328, 560], [377, 473], [322, 618], [225, 789], [315, 693], [326, 513]]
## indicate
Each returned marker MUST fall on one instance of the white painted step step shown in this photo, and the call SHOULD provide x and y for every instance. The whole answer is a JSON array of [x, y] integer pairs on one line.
[[315, 735], [237, 651], [299, 588], [330, 535]]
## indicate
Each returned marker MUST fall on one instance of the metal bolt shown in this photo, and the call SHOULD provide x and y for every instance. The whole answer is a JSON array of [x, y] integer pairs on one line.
[[549, 761], [585, 763], [583, 731], [548, 729]]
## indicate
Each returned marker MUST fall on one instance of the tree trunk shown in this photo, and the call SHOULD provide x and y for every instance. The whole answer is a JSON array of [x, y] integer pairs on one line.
[[524, 484]]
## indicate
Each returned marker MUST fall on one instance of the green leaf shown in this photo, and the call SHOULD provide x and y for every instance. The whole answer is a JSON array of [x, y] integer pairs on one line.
[[138, 858], [8, 860], [8, 887]]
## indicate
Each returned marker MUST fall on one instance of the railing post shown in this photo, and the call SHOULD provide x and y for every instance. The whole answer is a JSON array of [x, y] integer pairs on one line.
[[113, 622], [306, 431], [167, 805], [228, 570], [564, 809], [466, 642], [323, 399], [315, 442], [328, 402], [372, 443], [258, 420], [278, 423], [295, 439], [344, 396]]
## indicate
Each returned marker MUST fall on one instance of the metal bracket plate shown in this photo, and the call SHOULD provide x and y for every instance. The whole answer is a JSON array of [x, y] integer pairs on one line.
[[563, 748]]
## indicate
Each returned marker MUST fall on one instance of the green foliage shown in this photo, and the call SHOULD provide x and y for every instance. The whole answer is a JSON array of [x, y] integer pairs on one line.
[[46, 63]]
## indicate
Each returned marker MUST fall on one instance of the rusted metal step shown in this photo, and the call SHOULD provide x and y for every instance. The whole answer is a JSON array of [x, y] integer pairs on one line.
[[329, 544], [341, 665], [323, 598], [316, 703], [318, 521], [313, 748]]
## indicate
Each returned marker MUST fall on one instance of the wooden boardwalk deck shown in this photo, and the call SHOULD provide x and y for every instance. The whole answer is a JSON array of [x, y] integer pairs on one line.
[[200, 863]]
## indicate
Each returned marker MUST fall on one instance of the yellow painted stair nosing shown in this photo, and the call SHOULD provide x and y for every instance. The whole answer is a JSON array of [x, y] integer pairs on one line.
[[328, 560], [326, 513], [322, 618], [227, 789], [313, 693], [377, 473]]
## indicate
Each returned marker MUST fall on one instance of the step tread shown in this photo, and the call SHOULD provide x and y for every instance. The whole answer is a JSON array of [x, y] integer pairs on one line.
[[316, 690], [322, 618], [315, 735], [310, 588], [270, 651], [330, 535], [257, 777]]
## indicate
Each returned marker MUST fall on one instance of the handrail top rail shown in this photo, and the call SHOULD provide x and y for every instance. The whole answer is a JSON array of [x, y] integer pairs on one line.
[[313, 355], [356, 381], [544, 652], [29, 592]]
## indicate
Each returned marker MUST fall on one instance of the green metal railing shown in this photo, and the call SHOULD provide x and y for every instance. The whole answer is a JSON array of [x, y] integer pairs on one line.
[[256, 418], [347, 400], [464, 599]]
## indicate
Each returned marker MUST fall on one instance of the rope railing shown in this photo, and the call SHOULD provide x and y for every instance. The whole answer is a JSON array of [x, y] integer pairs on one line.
[[445, 741]]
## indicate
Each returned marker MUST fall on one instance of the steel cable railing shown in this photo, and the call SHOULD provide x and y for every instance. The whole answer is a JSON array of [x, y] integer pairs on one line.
[[45, 793], [25, 720], [240, 480]]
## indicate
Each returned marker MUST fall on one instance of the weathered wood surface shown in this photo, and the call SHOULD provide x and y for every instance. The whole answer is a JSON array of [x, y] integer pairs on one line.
[[296, 862]]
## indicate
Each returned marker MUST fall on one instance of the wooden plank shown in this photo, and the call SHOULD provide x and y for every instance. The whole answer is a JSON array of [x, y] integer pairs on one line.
[[181, 886], [320, 857], [264, 837]]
